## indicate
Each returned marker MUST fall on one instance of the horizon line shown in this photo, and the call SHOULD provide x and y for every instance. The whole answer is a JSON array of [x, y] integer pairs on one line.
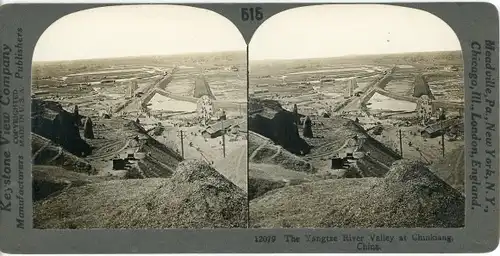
[[352, 55], [237, 51], [139, 56]]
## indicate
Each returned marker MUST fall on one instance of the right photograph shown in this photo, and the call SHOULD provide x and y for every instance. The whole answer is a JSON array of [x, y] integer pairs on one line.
[[355, 118]]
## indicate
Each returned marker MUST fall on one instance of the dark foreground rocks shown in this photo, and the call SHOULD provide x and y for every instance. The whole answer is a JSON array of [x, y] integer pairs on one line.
[[409, 196], [196, 196]]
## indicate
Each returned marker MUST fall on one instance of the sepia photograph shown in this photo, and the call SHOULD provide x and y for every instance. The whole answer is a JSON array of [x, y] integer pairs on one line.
[[139, 120], [355, 120]]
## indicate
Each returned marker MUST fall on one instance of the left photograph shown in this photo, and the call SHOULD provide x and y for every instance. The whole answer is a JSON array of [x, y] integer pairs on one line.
[[139, 120]]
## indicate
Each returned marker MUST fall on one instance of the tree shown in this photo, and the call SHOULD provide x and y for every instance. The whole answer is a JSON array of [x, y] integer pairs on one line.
[[76, 114], [296, 114], [88, 129], [307, 128]]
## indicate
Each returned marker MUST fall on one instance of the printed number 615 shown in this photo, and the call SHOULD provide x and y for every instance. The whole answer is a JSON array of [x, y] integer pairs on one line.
[[252, 13]]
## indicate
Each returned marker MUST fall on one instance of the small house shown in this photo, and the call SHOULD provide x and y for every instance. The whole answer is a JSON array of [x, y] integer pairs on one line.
[[432, 131], [240, 127], [119, 164], [338, 163], [217, 129], [439, 128]]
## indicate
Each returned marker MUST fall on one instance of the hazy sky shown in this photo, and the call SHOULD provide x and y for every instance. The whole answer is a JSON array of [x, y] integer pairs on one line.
[[120, 31], [337, 30]]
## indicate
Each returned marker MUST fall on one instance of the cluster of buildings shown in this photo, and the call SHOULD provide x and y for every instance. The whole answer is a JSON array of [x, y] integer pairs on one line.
[[225, 126]]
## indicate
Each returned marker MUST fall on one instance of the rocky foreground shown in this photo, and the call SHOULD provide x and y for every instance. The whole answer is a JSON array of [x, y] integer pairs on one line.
[[196, 196], [408, 196]]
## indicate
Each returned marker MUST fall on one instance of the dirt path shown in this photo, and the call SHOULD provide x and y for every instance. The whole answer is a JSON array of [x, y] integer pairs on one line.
[[109, 149], [277, 173], [234, 166]]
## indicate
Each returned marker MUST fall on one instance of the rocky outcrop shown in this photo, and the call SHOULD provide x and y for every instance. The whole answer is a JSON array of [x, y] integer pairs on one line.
[[278, 125], [307, 130], [88, 129], [51, 121], [67, 134], [295, 112], [76, 113]]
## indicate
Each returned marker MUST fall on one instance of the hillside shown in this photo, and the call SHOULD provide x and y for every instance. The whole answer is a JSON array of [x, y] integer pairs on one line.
[[49, 180], [269, 142], [276, 160], [408, 196], [196, 196], [115, 138], [266, 177], [451, 169], [340, 135], [46, 152], [263, 150], [234, 167]]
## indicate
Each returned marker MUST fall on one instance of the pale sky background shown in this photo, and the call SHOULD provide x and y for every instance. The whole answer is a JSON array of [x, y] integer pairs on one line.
[[306, 32], [338, 30], [120, 31]]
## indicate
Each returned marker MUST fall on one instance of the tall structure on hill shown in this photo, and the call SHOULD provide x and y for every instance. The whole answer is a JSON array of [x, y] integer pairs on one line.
[[205, 109], [132, 88], [425, 108], [421, 87], [201, 88], [352, 85]]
